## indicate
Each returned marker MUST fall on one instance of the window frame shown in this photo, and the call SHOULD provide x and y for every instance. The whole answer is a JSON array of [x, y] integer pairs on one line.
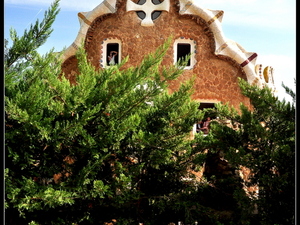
[[103, 58], [193, 51], [208, 104]]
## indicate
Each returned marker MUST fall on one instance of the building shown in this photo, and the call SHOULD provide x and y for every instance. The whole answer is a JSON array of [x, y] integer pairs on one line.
[[136, 28]]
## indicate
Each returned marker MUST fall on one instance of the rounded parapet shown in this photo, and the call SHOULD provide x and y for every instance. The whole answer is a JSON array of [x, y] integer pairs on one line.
[[213, 18], [85, 20], [224, 46]]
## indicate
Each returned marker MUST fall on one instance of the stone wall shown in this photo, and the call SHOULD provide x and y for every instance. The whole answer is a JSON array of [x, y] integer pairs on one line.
[[216, 75]]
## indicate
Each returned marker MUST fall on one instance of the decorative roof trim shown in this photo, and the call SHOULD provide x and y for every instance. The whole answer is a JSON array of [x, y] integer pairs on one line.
[[213, 18], [85, 20], [148, 7], [224, 46]]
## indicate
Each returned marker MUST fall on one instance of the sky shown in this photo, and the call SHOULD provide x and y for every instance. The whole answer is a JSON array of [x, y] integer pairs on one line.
[[267, 27]]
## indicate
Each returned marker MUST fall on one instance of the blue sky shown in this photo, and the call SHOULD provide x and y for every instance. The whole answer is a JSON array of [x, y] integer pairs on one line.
[[267, 27]]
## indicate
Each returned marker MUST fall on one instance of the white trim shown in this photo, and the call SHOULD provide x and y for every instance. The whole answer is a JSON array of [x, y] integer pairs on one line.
[[103, 59], [192, 43]]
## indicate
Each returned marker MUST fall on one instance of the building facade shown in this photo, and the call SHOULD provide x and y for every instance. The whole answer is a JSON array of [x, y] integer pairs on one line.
[[136, 28]]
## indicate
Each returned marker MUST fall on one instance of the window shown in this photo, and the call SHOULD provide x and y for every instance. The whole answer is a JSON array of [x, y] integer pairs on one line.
[[204, 105], [112, 47], [154, 15], [202, 126], [184, 47], [183, 50], [111, 52]]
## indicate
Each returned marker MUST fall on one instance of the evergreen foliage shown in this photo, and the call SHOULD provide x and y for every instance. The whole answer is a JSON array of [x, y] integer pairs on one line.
[[24, 48], [117, 145], [265, 143], [112, 146]]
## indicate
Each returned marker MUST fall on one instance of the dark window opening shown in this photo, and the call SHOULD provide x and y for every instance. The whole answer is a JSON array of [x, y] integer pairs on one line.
[[142, 14], [208, 105], [155, 15], [111, 48], [141, 2], [156, 2], [204, 105], [203, 126], [183, 50]]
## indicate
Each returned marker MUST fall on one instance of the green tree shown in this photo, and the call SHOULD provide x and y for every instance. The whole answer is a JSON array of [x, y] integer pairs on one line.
[[265, 143], [114, 146], [20, 55]]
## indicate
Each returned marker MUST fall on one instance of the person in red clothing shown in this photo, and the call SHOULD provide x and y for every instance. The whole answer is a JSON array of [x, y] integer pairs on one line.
[[205, 127]]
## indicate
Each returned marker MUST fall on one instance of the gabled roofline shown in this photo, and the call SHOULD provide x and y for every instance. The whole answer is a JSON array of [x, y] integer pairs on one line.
[[85, 20], [223, 46], [213, 18]]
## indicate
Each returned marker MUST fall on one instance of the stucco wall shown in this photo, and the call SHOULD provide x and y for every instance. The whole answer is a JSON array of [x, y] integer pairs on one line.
[[216, 75]]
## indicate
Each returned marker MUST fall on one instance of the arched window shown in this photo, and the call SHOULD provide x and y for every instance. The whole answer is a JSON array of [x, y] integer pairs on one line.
[[110, 48], [184, 47]]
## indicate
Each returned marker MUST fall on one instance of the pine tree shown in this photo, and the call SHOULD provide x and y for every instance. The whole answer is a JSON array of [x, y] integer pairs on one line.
[[23, 49], [114, 146], [265, 143]]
